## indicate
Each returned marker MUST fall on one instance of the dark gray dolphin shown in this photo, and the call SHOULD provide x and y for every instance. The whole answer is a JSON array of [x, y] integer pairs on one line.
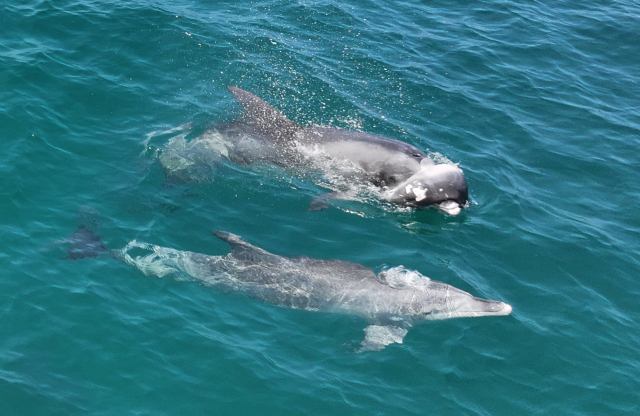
[[402, 173], [392, 301], [83, 243]]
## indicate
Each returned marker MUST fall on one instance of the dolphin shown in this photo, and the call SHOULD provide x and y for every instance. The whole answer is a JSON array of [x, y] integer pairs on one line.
[[83, 243], [399, 172], [391, 301]]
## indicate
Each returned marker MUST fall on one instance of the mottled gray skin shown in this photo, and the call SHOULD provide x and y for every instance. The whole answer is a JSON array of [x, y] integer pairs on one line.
[[334, 286], [265, 135]]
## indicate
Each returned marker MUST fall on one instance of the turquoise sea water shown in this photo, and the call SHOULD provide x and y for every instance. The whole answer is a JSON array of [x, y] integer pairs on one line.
[[537, 101]]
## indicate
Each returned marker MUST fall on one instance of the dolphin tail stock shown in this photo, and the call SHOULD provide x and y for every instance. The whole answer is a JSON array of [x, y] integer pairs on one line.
[[263, 116], [84, 243]]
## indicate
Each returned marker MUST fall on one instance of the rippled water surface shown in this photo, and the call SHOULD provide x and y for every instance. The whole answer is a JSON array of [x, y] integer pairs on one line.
[[538, 102]]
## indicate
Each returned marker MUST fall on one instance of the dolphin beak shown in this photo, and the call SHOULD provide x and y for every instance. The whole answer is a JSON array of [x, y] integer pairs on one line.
[[499, 308], [481, 307], [507, 309], [449, 207], [462, 304]]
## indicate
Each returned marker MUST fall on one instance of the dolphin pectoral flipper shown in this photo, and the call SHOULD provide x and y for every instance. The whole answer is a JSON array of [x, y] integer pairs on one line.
[[262, 116], [378, 336], [320, 202]]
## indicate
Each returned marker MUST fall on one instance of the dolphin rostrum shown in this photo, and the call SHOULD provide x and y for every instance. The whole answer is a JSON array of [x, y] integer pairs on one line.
[[391, 301], [399, 172]]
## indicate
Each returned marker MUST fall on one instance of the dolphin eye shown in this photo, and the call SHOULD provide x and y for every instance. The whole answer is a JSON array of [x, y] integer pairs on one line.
[[416, 155]]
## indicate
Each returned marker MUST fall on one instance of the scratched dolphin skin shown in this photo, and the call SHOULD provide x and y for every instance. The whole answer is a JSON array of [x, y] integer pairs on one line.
[[349, 161], [391, 301]]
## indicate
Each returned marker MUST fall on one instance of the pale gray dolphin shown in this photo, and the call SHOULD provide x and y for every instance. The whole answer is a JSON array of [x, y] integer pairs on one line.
[[402, 173], [391, 301]]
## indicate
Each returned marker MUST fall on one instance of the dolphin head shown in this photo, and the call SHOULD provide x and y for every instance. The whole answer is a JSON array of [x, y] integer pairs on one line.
[[441, 185], [416, 297], [457, 303]]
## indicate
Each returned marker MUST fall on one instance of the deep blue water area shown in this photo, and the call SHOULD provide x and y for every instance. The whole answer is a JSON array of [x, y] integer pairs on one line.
[[538, 102]]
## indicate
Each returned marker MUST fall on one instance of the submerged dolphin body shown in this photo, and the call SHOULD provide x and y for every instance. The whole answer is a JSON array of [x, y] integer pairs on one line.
[[83, 243], [402, 173], [392, 301]]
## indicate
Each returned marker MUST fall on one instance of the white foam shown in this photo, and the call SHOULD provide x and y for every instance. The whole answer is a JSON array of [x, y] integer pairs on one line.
[[149, 136], [153, 264]]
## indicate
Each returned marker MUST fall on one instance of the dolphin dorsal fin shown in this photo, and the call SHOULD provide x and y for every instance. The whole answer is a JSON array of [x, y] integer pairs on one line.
[[261, 115], [232, 239], [240, 249]]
